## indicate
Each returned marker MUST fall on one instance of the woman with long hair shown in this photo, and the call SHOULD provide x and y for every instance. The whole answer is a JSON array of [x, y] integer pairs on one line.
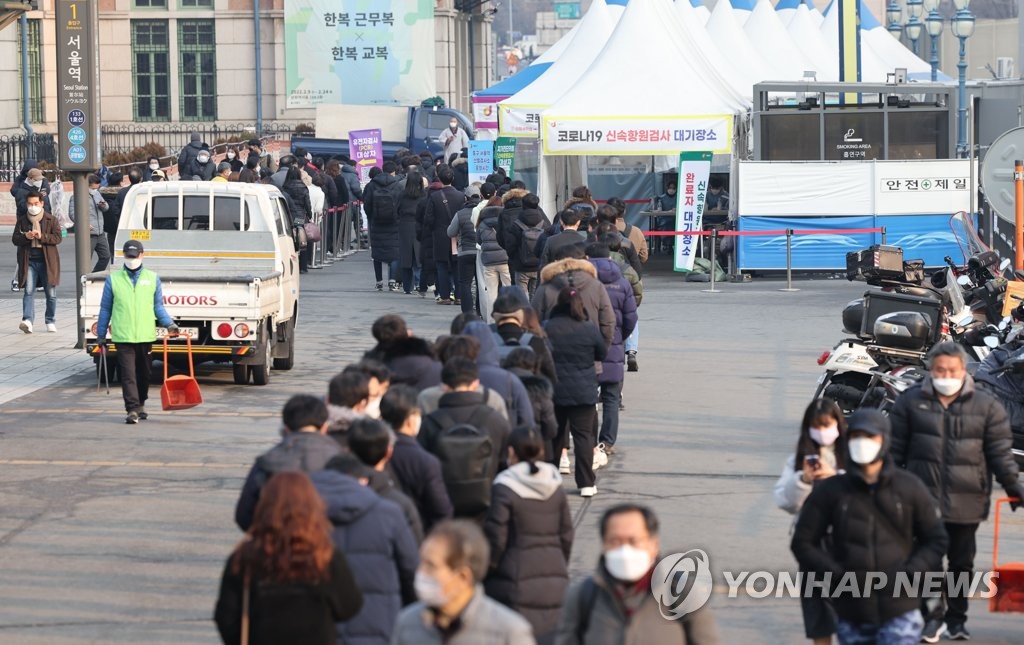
[[820, 454], [576, 344], [412, 199], [286, 582]]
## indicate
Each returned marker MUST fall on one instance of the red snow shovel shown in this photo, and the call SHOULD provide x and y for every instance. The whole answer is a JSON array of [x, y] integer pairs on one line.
[[180, 392]]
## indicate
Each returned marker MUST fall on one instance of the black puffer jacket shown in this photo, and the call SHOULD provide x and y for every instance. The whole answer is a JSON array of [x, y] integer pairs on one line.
[[575, 346], [442, 205], [509, 330], [529, 528], [955, 450], [300, 206], [541, 394], [491, 253], [411, 362], [515, 238]]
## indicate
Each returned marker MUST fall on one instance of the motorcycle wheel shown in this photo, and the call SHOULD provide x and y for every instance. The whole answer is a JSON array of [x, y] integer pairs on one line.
[[847, 390]]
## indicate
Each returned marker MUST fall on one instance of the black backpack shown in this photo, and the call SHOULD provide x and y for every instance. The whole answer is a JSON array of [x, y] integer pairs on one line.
[[531, 234], [468, 457], [385, 206], [505, 347]]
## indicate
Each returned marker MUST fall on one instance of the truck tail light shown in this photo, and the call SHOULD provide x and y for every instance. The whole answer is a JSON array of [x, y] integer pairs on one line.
[[241, 330], [824, 358], [224, 330]]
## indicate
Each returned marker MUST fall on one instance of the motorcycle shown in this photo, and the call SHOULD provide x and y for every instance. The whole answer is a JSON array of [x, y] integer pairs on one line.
[[1002, 375]]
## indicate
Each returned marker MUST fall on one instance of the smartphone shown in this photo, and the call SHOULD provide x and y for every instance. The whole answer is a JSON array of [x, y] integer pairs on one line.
[[813, 461]]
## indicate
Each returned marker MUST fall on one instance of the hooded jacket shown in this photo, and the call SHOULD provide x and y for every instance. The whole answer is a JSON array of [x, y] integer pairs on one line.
[[352, 179], [515, 236], [384, 240], [380, 482], [304, 451], [491, 252], [576, 346], [188, 166], [892, 527], [374, 536], [411, 362], [299, 202], [529, 528], [509, 329], [541, 393], [620, 295], [462, 227], [582, 275], [512, 206], [495, 377], [339, 419], [631, 276], [438, 215], [955, 450]]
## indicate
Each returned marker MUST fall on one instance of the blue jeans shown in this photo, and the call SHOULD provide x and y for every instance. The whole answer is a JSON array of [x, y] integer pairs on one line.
[[447, 277], [611, 395], [37, 277], [633, 340], [901, 630]]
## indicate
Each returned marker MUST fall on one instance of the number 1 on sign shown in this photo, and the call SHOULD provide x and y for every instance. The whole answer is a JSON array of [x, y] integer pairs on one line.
[[74, 12]]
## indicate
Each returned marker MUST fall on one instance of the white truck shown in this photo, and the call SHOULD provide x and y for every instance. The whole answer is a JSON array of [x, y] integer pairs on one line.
[[230, 272]]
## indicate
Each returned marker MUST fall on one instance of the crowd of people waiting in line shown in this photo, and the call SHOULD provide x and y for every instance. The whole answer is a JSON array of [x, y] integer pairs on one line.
[[420, 500]]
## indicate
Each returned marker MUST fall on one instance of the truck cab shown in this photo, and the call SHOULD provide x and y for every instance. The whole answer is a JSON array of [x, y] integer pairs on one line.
[[229, 268]]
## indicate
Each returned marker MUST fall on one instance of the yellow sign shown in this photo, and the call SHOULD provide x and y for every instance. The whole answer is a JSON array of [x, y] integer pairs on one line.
[[141, 235], [1013, 297]]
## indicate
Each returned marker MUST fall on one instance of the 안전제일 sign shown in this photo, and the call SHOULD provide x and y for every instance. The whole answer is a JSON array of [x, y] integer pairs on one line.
[[359, 52]]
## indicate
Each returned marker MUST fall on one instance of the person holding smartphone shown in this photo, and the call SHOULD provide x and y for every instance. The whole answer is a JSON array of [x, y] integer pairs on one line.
[[820, 454]]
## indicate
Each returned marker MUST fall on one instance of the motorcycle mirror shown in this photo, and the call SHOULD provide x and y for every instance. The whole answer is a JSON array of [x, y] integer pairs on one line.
[[1004, 323], [966, 320], [991, 342], [963, 281], [1004, 265]]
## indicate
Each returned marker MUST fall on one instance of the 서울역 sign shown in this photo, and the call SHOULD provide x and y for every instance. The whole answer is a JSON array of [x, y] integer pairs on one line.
[[78, 85]]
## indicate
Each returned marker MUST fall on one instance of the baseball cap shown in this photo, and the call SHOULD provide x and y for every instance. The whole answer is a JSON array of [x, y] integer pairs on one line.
[[132, 249], [159, 173], [869, 420]]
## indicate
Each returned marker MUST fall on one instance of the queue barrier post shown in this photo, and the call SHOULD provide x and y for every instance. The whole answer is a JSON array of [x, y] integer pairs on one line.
[[883, 235], [789, 261], [314, 253], [714, 261]]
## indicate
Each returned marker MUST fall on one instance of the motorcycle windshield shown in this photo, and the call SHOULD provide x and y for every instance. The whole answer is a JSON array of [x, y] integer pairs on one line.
[[967, 238]]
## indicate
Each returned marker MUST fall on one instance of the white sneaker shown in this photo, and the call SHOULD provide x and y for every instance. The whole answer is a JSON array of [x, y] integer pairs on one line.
[[563, 465], [26, 326], [600, 456], [588, 491], [51, 327]]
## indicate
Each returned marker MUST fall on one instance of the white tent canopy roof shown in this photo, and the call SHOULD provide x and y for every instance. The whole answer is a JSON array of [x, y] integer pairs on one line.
[[693, 30], [773, 44], [808, 38], [723, 27]]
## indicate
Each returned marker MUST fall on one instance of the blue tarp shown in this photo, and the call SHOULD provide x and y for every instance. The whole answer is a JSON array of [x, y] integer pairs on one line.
[[516, 82]]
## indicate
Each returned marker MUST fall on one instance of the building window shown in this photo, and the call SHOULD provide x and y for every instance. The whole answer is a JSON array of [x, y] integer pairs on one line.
[[150, 4], [198, 70], [197, 4], [150, 70], [35, 74]]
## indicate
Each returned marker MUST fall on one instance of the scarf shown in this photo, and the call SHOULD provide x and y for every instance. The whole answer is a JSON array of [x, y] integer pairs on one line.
[[35, 220]]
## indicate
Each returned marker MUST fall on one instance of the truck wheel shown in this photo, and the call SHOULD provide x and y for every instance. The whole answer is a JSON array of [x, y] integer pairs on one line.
[[287, 362], [240, 374], [261, 373]]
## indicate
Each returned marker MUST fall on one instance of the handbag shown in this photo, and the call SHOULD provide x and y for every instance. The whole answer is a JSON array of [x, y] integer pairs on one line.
[[300, 235], [312, 232]]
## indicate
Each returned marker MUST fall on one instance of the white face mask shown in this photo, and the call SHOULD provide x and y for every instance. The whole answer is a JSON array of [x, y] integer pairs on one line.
[[35, 210], [373, 408], [37, 183], [231, 155], [133, 263], [825, 436], [154, 166], [203, 158], [429, 590], [627, 563], [947, 386], [863, 450], [454, 125], [671, 191]]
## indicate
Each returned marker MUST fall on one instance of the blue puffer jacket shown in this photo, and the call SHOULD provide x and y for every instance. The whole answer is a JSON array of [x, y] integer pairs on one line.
[[376, 540], [620, 293]]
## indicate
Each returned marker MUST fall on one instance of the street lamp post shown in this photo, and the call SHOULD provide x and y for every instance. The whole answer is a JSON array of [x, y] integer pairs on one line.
[[894, 18], [934, 24], [963, 28], [915, 8]]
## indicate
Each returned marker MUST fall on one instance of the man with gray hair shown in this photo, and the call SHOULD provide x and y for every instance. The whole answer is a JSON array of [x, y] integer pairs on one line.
[[955, 438]]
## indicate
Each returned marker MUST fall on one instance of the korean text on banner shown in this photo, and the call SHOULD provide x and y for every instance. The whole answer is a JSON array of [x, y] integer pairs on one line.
[[505, 154], [481, 160], [637, 135], [366, 148], [359, 52], [694, 170], [519, 120]]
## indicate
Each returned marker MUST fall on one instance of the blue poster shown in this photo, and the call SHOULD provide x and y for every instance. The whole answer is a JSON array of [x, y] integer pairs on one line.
[[481, 160]]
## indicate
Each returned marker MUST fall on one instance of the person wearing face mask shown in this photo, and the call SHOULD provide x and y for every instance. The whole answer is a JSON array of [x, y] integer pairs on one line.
[[201, 168], [453, 608], [31, 180], [955, 438], [615, 605], [152, 166], [37, 234], [417, 472], [189, 155], [132, 305], [873, 519], [97, 238], [379, 381], [820, 454], [231, 156], [453, 139], [666, 202]]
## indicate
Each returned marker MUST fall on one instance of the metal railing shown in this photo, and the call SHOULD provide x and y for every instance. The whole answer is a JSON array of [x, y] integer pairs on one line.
[[174, 136], [15, 150]]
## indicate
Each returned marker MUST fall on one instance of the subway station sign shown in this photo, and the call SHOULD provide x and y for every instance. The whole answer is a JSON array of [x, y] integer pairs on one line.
[[78, 85]]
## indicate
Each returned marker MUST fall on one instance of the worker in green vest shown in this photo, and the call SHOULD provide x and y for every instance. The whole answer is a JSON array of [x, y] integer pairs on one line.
[[132, 305]]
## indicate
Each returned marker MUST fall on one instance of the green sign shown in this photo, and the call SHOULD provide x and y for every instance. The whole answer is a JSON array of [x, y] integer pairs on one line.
[[567, 10], [505, 153]]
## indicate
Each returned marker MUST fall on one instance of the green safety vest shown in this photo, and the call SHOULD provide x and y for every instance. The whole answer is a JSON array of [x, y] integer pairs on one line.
[[132, 318]]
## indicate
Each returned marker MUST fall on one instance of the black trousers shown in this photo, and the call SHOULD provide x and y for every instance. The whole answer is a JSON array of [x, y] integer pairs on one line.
[[959, 561], [581, 422], [135, 362], [467, 273]]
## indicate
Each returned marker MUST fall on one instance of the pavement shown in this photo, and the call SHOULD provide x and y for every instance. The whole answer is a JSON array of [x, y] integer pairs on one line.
[[118, 534]]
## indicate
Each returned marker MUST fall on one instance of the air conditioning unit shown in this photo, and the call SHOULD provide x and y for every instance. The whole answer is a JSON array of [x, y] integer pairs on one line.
[[1004, 68]]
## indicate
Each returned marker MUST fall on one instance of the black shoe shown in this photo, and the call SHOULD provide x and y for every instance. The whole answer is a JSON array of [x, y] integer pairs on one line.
[[132, 418], [622, 405], [933, 631], [380, 286], [958, 632], [14, 286], [143, 415], [631, 363]]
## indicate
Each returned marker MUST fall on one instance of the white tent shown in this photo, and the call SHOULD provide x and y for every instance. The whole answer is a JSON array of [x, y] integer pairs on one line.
[[808, 38], [692, 29], [816, 14], [725, 28], [742, 9], [772, 43], [695, 111], [518, 115], [786, 9], [701, 11]]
